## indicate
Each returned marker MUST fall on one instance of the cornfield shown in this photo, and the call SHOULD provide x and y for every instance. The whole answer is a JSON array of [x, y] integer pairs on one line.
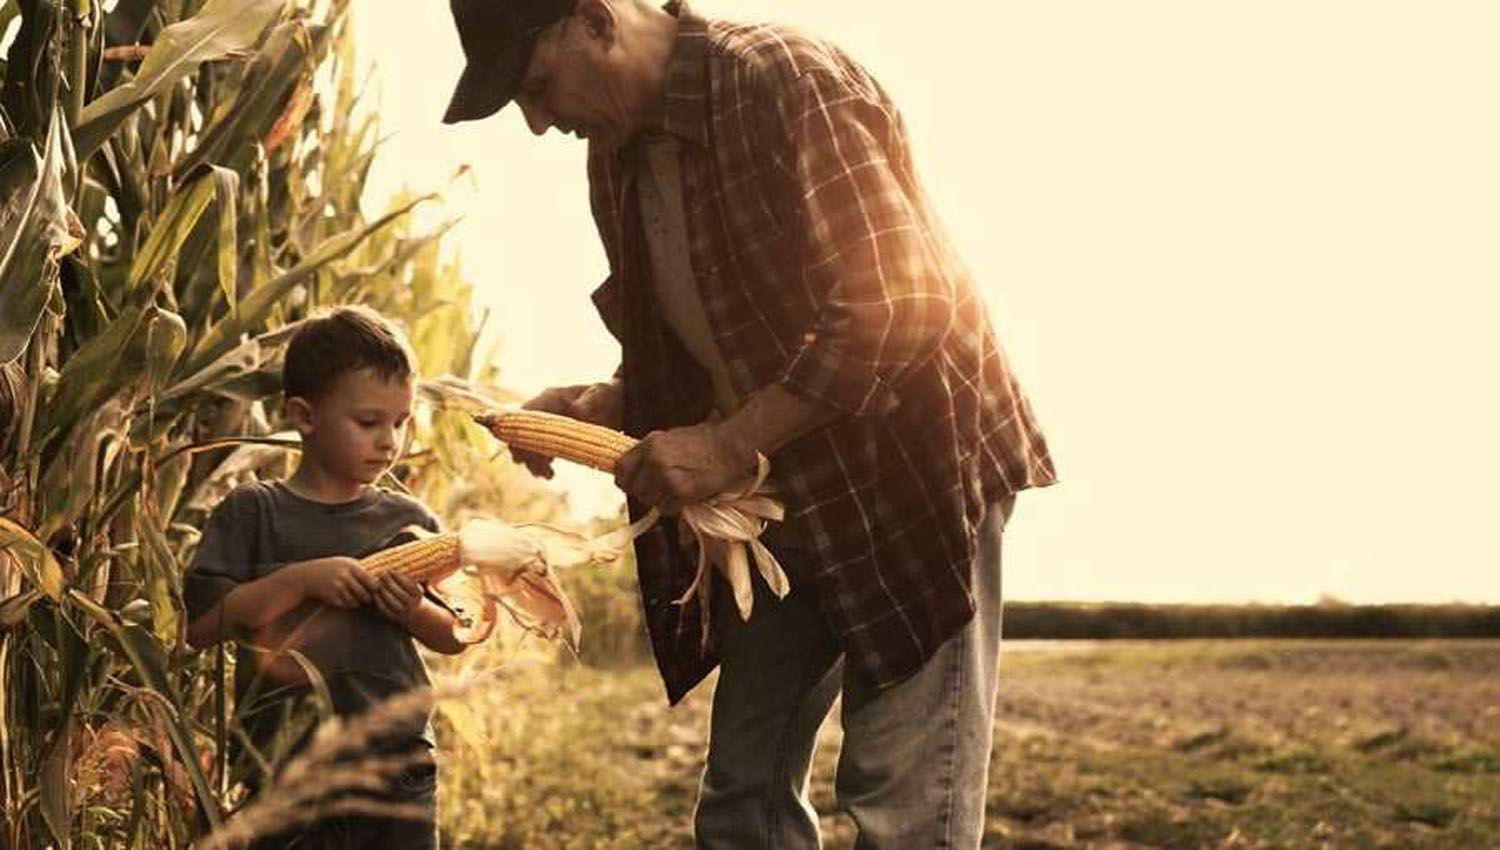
[[181, 183]]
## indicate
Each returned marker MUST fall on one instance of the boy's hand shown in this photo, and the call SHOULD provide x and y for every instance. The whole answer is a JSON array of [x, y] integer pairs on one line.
[[396, 596], [338, 581]]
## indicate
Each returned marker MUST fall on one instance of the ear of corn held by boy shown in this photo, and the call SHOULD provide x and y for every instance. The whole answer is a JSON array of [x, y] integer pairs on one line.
[[485, 566]]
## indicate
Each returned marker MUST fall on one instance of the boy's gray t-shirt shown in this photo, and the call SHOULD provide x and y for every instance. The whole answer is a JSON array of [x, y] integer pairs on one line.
[[365, 658]]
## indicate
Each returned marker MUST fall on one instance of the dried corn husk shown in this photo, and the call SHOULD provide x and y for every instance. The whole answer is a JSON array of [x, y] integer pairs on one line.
[[489, 565], [726, 528]]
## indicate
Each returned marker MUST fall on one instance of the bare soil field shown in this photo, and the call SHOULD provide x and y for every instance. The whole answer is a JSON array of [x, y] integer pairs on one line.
[[1173, 744]]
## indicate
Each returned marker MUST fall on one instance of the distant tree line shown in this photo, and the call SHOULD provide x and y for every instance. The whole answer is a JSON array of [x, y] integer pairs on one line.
[[1099, 621]]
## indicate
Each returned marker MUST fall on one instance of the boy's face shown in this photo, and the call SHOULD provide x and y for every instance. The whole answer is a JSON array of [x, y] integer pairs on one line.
[[356, 429]]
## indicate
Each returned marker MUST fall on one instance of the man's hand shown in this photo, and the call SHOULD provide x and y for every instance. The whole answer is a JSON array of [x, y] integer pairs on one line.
[[670, 469], [598, 404], [336, 581], [397, 596]]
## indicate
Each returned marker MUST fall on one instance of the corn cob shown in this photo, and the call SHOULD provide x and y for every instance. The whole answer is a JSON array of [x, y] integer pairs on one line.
[[488, 545], [727, 527], [558, 436], [501, 564], [427, 560]]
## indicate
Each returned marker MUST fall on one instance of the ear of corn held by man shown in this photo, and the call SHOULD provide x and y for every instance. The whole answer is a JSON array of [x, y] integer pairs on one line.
[[726, 528], [558, 436]]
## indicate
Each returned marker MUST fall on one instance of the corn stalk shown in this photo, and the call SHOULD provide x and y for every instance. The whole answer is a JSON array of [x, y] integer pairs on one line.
[[179, 185]]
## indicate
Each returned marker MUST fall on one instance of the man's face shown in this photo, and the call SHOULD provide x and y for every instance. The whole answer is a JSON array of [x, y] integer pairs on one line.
[[358, 426], [569, 83]]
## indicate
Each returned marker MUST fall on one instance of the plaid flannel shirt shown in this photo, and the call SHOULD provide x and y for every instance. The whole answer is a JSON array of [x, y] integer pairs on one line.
[[820, 267]]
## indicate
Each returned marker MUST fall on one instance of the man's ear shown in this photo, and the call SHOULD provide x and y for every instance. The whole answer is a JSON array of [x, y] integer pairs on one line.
[[299, 415], [599, 21]]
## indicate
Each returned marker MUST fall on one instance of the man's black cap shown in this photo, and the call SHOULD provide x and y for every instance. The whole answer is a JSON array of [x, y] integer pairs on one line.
[[497, 36]]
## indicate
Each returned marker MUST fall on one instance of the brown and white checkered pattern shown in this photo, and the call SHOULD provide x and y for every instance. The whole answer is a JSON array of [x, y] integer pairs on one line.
[[821, 266]]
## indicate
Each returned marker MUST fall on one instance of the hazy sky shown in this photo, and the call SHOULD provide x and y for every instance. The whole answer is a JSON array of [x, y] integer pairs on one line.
[[1244, 256]]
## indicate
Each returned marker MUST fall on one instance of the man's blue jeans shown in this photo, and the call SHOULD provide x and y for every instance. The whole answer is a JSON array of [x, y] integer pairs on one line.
[[915, 758]]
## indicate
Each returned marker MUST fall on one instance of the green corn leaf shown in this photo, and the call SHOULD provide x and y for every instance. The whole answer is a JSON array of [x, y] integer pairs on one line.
[[9, 10], [271, 78], [221, 28], [33, 70], [208, 264], [256, 306], [161, 570], [142, 343], [92, 372], [37, 227], [55, 796], [149, 658], [170, 231], [68, 484], [226, 195], [35, 560], [209, 184], [24, 289], [15, 609]]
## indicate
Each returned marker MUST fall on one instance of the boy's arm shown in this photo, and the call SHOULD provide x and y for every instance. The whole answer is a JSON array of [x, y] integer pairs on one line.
[[432, 625], [401, 600], [251, 606], [246, 608]]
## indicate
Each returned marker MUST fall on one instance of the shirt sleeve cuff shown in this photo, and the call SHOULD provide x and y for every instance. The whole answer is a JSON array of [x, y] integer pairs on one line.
[[823, 373], [202, 591]]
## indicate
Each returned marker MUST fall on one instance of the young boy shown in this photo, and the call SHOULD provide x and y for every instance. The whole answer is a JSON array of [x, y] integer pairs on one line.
[[276, 569]]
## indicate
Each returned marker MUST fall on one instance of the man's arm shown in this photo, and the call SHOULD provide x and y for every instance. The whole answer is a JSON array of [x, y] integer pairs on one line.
[[670, 469], [887, 294], [776, 416], [888, 306]]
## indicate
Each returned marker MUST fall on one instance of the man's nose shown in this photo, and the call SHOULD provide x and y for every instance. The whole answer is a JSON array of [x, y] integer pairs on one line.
[[537, 118]]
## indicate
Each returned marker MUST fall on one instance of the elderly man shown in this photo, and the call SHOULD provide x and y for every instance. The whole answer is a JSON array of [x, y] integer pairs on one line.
[[778, 286]]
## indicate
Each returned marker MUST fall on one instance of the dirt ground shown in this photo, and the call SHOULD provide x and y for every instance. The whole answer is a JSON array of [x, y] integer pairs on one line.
[[1182, 744]]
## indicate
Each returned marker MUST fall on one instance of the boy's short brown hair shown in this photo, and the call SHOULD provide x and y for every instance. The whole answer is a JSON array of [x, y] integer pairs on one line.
[[342, 340]]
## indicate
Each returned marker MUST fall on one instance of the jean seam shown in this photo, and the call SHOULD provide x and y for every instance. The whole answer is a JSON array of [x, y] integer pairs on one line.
[[955, 694], [778, 765]]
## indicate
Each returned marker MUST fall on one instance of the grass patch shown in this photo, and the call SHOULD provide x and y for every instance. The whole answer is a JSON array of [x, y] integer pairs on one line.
[[1254, 660], [1429, 812], [1200, 740], [1024, 811], [1381, 740], [1471, 760], [1414, 749], [1299, 761], [1233, 788], [1161, 827]]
